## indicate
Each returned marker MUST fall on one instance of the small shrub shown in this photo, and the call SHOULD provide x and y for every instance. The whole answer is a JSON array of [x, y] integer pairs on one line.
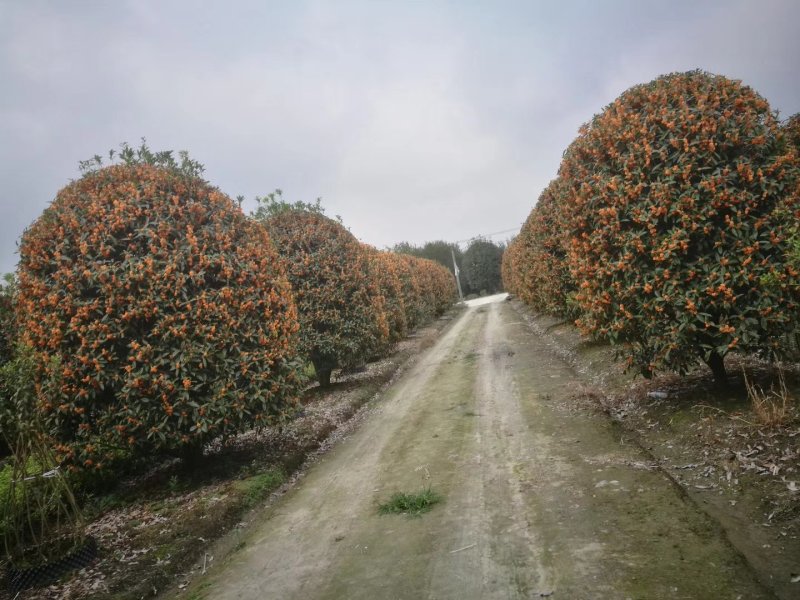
[[412, 505], [39, 517], [7, 341], [7, 324], [18, 393]]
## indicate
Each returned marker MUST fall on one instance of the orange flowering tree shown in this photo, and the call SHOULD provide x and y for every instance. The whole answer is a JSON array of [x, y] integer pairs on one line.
[[527, 251], [161, 310], [437, 286], [387, 267], [410, 290], [510, 266], [542, 272], [446, 291], [341, 310], [791, 131], [520, 266], [674, 192], [791, 128]]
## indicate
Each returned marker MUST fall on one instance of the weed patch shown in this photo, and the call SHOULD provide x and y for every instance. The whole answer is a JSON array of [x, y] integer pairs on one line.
[[772, 408], [471, 357], [258, 487], [412, 505]]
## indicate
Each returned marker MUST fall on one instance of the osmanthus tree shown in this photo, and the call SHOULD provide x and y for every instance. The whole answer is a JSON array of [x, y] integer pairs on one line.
[[791, 129], [526, 251], [387, 267], [161, 311], [432, 266], [341, 310], [509, 267], [543, 277], [437, 286], [679, 192], [413, 302]]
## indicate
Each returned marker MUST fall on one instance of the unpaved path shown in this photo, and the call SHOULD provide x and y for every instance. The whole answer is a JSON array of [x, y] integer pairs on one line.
[[542, 497]]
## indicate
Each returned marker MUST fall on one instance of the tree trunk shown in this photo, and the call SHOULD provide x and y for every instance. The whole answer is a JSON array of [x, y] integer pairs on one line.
[[191, 456], [716, 363], [324, 377]]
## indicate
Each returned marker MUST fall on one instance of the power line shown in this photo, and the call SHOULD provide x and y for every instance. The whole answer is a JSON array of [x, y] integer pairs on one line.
[[488, 234]]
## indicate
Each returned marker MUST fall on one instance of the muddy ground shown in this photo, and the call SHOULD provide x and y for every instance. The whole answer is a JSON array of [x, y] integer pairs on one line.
[[544, 494]]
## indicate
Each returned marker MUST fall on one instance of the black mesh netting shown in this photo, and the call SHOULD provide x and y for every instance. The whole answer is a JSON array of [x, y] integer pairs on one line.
[[48, 573]]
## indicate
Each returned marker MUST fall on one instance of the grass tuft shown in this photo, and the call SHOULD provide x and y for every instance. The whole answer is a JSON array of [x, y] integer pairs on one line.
[[772, 408], [259, 487], [412, 505]]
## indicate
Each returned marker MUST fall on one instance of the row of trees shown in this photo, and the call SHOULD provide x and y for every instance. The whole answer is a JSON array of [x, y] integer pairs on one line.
[[671, 228], [154, 314], [479, 264], [353, 300]]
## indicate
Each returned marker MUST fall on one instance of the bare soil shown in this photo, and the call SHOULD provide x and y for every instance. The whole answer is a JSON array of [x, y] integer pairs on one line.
[[544, 495]]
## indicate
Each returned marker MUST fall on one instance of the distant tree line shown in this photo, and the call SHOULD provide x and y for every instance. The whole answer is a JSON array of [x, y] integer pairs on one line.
[[479, 265]]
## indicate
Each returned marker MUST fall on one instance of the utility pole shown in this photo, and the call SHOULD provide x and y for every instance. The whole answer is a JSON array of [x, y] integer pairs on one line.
[[458, 279]]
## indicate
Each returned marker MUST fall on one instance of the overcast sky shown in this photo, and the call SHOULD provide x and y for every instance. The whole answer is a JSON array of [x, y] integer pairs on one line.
[[412, 120]]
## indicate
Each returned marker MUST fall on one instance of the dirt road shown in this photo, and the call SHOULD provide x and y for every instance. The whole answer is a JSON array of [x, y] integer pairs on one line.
[[542, 498]]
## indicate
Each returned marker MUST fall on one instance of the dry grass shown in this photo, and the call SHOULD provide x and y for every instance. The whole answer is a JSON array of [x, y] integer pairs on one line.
[[773, 407]]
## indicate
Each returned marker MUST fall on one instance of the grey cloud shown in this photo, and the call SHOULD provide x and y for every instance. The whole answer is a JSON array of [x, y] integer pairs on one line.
[[414, 121]]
